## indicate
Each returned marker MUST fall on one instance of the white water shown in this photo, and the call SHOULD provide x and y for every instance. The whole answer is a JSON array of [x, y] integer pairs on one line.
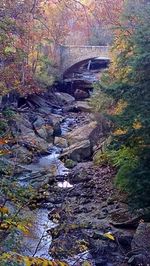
[[37, 242]]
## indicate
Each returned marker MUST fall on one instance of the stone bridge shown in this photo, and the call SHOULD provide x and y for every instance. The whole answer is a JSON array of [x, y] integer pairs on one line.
[[72, 54]]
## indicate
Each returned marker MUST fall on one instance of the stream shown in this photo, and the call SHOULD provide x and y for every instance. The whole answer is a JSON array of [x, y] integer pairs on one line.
[[37, 242], [39, 174], [92, 220]]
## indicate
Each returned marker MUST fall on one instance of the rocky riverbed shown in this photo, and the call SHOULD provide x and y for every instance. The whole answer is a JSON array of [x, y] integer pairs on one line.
[[83, 218]]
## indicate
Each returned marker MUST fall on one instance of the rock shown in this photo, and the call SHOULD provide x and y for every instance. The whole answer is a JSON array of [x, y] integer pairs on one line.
[[140, 246], [70, 108], [49, 133], [141, 239], [60, 142], [82, 106], [23, 155], [33, 142], [81, 94], [81, 133], [53, 125], [121, 217], [53, 119], [38, 101], [101, 262], [78, 152], [102, 250], [45, 110], [44, 129], [79, 173], [26, 135], [42, 133], [64, 98], [70, 164], [57, 130], [39, 122], [139, 259], [9, 167], [20, 125], [40, 180], [125, 240], [23, 120]]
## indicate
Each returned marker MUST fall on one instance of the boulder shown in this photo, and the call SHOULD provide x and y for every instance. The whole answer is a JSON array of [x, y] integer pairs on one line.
[[139, 259], [81, 94], [45, 110], [53, 119], [56, 121], [9, 166], [23, 155], [39, 179], [70, 108], [141, 239], [42, 133], [83, 106], [23, 120], [44, 129], [57, 130], [20, 125], [49, 133], [23, 130], [33, 142], [81, 133], [64, 98], [70, 164], [39, 122], [60, 142], [38, 101], [78, 152]]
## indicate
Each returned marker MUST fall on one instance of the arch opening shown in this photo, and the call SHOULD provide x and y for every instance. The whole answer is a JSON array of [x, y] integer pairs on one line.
[[91, 65], [79, 79]]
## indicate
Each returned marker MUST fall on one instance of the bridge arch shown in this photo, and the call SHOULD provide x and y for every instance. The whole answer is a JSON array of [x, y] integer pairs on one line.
[[88, 64], [71, 54]]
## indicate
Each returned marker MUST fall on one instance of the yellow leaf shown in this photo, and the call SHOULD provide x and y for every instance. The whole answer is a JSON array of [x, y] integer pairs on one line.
[[23, 228], [137, 125], [4, 210], [119, 132], [28, 261], [55, 221], [4, 226], [109, 235], [83, 248], [60, 263], [86, 263]]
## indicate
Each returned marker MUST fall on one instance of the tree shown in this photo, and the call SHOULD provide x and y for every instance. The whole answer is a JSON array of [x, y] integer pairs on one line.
[[127, 83]]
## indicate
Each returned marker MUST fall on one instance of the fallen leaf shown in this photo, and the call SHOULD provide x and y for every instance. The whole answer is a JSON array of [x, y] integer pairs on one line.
[[109, 235]]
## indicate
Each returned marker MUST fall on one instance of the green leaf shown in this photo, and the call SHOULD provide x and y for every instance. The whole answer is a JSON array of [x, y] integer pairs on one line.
[[10, 49]]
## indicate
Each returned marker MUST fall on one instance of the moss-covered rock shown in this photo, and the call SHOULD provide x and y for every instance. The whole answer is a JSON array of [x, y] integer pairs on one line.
[[70, 163]]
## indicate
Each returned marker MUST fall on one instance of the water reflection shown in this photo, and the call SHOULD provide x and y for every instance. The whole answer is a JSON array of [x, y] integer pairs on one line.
[[37, 242]]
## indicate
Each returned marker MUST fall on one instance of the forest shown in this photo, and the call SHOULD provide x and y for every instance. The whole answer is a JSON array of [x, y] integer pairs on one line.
[[74, 132]]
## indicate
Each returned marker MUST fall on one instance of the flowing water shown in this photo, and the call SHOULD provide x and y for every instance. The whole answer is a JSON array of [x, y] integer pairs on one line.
[[37, 242]]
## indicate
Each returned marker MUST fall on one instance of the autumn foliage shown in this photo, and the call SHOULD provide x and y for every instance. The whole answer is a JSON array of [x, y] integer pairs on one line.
[[31, 32]]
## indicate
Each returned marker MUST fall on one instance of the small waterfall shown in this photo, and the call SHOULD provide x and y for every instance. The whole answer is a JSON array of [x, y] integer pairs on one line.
[[89, 65]]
